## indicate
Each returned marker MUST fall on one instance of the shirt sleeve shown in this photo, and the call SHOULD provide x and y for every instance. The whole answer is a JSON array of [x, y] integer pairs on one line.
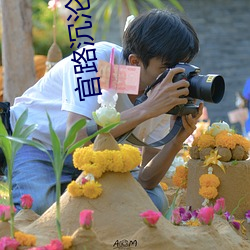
[[77, 86]]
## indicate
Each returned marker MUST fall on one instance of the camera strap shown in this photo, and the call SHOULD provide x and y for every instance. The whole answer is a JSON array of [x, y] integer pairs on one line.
[[131, 138]]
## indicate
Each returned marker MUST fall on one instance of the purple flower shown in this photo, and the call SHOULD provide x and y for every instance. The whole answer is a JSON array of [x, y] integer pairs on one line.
[[236, 224], [247, 214]]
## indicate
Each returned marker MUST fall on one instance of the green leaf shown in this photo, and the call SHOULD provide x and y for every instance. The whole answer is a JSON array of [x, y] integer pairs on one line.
[[132, 7], [177, 5], [35, 144], [172, 207], [20, 123], [5, 144], [56, 147], [71, 136], [24, 134]]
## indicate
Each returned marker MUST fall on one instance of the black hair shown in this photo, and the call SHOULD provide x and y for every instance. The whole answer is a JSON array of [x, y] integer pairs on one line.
[[162, 34]]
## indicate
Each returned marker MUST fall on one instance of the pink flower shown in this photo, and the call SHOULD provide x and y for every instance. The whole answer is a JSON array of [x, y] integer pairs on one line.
[[206, 215], [8, 243], [84, 180], [53, 4], [176, 217], [219, 206], [5, 212], [150, 217], [86, 218], [55, 245], [26, 201]]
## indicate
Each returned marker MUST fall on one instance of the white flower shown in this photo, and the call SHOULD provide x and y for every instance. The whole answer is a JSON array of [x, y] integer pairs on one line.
[[217, 127], [105, 116]]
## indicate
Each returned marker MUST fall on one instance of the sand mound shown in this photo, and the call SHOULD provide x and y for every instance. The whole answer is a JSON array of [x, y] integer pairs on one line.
[[117, 224]]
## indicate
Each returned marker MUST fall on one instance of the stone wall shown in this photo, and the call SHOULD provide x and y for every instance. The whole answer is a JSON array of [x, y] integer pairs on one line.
[[223, 27], [224, 33]]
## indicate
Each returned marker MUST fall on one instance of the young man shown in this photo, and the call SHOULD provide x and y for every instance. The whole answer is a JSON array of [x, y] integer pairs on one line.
[[154, 41]]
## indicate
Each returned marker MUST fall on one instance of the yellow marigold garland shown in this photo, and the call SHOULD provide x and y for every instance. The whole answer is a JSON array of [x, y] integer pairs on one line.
[[24, 239], [95, 163], [206, 141], [208, 186], [180, 177], [226, 140], [98, 162]]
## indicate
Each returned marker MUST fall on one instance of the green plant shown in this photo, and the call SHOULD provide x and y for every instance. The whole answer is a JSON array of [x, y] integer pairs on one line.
[[104, 9], [10, 148], [60, 152]]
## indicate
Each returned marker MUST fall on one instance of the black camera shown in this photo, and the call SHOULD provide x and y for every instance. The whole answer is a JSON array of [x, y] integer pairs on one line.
[[209, 88]]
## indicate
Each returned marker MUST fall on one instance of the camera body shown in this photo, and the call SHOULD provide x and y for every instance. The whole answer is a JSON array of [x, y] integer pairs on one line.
[[209, 88]]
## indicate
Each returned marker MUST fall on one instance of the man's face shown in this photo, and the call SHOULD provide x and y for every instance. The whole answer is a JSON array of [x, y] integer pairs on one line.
[[149, 75]]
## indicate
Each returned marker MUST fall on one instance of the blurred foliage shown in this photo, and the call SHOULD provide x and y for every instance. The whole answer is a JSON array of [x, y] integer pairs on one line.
[[104, 10], [42, 19]]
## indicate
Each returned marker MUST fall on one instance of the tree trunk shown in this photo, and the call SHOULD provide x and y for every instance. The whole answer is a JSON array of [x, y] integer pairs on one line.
[[17, 48]]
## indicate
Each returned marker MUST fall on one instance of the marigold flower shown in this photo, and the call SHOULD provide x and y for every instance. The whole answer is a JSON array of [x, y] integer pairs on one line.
[[67, 242], [206, 215], [208, 192], [24, 239], [219, 206], [226, 140], [8, 243], [86, 218], [26, 201], [180, 177], [193, 223], [206, 141], [92, 189], [93, 169], [209, 180], [75, 189], [150, 217], [164, 186]]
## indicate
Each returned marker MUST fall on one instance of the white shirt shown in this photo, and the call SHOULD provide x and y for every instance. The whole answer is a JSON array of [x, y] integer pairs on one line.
[[55, 94]]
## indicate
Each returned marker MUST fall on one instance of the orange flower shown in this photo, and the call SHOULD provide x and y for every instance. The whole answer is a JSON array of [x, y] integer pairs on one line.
[[208, 192], [209, 180], [206, 141], [226, 140], [164, 186], [180, 177]]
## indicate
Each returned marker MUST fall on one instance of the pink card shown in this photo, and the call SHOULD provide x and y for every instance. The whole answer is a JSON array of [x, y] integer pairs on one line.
[[122, 78]]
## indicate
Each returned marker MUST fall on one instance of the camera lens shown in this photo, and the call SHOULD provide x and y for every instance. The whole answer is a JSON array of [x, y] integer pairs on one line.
[[209, 88]]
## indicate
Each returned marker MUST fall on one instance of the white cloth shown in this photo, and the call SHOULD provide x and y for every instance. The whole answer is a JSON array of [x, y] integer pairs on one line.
[[55, 94]]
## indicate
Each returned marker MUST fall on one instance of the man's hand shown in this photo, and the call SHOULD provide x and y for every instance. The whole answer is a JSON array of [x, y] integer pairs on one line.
[[167, 94]]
